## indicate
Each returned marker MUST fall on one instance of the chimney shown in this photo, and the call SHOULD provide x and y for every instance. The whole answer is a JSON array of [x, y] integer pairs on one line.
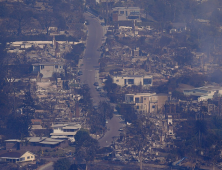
[[77, 109], [54, 42]]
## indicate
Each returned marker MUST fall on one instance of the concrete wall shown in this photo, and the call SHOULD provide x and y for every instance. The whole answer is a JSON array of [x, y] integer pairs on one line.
[[48, 70], [132, 80]]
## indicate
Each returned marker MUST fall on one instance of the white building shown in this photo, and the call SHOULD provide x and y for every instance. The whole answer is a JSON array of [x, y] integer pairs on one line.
[[67, 130], [145, 81], [126, 13], [204, 93], [48, 68], [147, 102]]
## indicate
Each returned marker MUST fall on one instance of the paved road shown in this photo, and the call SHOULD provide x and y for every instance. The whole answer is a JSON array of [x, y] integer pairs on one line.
[[113, 127], [90, 74], [90, 61]]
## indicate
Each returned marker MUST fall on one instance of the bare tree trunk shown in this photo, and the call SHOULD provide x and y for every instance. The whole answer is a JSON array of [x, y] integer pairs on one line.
[[141, 162], [199, 137]]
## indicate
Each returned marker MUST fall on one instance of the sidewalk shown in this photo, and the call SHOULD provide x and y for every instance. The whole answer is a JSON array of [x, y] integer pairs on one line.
[[45, 166]]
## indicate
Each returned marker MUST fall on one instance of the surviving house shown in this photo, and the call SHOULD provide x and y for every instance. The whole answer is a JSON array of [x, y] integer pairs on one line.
[[147, 102], [66, 130], [47, 69], [35, 144], [126, 13], [17, 156], [145, 81]]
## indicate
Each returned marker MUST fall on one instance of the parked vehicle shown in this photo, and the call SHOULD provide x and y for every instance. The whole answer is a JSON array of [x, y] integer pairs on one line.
[[96, 84], [98, 88]]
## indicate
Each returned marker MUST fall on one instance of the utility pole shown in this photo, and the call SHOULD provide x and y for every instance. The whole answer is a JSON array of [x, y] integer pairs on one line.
[[106, 11]]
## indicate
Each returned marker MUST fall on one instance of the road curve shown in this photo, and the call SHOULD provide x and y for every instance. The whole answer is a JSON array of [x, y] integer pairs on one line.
[[113, 127]]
